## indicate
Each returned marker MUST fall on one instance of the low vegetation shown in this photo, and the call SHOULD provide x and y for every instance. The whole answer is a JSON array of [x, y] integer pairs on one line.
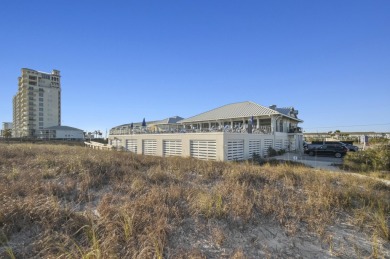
[[73, 202], [273, 152], [374, 161]]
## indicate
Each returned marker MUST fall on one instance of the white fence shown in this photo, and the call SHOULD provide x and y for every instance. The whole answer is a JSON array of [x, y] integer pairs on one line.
[[172, 148], [220, 146]]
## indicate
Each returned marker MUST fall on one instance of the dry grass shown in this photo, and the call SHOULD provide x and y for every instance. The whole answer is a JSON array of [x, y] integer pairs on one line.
[[73, 202]]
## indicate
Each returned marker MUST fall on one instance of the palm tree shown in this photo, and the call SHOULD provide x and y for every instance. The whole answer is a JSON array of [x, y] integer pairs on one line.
[[7, 134]]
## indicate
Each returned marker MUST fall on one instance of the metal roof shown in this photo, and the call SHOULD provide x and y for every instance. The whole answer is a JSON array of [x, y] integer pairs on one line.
[[61, 128], [240, 110], [170, 120], [284, 110], [234, 110], [289, 112]]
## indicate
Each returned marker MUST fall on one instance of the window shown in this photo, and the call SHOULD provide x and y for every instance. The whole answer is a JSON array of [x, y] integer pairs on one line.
[[32, 83], [265, 122], [41, 104], [41, 90], [41, 99], [41, 124], [41, 109], [45, 76], [40, 118], [32, 77], [40, 94], [41, 114]]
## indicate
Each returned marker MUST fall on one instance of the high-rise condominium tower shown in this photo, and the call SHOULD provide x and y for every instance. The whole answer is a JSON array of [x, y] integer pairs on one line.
[[37, 104]]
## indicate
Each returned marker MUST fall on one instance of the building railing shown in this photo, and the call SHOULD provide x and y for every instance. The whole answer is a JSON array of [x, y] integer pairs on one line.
[[97, 145], [295, 130], [227, 128]]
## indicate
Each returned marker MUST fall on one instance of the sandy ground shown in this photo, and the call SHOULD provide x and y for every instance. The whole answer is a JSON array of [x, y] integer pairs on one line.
[[318, 162], [265, 239]]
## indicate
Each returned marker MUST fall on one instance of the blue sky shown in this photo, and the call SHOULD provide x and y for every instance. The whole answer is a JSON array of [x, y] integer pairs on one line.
[[122, 61]]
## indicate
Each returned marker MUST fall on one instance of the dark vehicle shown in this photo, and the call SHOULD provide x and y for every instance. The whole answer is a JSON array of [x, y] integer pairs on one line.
[[336, 150], [348, 144], [352, 147], [311, 146]]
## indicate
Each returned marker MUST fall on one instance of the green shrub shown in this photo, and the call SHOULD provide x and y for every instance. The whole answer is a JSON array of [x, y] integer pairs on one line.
[[272, 152], [379, 140], [373, 159]]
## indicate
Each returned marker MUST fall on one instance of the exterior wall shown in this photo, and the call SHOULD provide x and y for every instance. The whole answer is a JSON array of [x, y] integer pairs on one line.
[[226, 146], [69, 134], [119, 141], [37, 104], [260, 140]]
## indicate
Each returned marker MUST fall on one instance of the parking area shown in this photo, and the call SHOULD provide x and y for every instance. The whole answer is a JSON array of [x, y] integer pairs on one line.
[[329, 159], [320, 162]]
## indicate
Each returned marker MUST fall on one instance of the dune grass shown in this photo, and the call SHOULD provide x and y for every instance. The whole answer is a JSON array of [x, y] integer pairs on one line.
[[73, 202]]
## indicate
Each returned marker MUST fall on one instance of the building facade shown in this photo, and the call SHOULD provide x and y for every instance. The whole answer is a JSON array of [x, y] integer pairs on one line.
[[61, 133], [232, 132], [37, 104]]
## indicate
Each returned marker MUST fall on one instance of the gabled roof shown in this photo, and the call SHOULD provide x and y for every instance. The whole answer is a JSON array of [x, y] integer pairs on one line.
[[288, 111], [284, 110], [170, 120], [234, 110]]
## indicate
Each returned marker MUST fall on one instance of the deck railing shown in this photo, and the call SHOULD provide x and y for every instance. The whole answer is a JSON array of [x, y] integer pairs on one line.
[[227, 128]]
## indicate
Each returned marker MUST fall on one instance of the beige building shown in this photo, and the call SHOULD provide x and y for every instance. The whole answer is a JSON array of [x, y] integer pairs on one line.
[[235, 131], [37, 104]]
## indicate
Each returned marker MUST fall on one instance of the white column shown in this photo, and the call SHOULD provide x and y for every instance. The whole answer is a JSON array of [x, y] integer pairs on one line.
[[273, 124]]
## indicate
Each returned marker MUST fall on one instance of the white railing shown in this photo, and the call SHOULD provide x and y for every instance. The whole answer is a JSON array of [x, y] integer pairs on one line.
[[227, 128], [97, 145]]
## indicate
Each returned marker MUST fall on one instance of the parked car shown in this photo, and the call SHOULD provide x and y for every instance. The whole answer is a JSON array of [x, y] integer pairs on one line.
[[351, 147], [348, 145], [336, 150], [310, 146]]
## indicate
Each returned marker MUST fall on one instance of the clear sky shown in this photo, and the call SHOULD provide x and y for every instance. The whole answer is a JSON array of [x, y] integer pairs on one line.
[[122, 61]]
